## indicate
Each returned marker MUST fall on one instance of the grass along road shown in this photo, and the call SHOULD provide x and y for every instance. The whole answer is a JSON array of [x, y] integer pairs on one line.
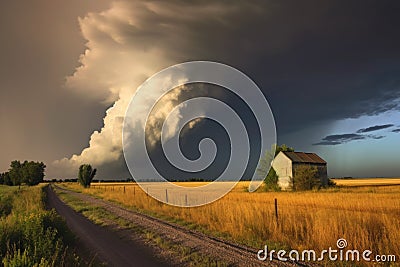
[[30, 235], [200, 249]]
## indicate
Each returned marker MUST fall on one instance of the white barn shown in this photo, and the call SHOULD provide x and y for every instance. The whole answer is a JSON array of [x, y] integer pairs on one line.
[[285, 164]]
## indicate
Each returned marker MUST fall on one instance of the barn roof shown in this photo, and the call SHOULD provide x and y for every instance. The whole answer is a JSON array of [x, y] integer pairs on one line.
[[302, 157]]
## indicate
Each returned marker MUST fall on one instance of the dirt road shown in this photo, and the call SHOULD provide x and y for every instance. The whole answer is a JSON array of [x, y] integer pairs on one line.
[[103, 243], [234, 254]]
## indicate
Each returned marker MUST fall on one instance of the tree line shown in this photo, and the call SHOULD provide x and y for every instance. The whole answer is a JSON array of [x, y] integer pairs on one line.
[[32, 173], [27, 172]]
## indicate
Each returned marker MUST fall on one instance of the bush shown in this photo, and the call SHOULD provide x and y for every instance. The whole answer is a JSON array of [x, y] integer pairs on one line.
[[331, 183], [18, 259], [305, 178], [34, 236], [271, 180], [5, 205], [41, 235]]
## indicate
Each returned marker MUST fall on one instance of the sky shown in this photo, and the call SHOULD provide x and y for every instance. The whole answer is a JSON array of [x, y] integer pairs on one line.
[[329, 70]]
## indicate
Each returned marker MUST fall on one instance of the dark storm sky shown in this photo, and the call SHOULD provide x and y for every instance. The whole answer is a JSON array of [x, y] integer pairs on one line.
[[329, 69]]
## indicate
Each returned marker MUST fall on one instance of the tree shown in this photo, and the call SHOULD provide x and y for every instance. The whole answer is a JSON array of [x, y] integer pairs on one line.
[[5, 179], [283, 148], [15, 172], [28, 172], [86, 174], [33, 172], [305, 178]]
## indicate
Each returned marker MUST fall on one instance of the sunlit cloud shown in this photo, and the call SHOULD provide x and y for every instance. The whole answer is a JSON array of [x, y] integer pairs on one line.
[[126, 44]]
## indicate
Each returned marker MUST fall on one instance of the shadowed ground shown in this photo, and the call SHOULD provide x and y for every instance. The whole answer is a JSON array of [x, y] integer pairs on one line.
[[101, 241]]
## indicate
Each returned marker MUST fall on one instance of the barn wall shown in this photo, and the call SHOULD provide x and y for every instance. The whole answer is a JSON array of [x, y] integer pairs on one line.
[[283, 168], [323, 174]]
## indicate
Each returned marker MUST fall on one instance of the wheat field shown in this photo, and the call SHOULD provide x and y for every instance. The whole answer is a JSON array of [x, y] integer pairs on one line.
[[367, 217], [367, 181]]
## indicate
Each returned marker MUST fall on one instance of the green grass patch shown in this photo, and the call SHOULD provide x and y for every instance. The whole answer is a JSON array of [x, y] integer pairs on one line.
[[31, 235]]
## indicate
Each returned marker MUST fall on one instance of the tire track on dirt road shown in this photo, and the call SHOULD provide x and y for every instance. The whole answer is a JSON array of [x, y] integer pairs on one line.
[[234, 254], [102, 242]]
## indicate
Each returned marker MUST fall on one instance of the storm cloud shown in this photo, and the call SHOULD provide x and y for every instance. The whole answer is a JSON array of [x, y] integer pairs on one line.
[[291, 59], [375, 128], [315, 61], [338, 139]]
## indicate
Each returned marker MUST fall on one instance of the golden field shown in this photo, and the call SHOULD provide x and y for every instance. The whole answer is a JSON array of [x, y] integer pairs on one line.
[[367, 181], [367, 217]]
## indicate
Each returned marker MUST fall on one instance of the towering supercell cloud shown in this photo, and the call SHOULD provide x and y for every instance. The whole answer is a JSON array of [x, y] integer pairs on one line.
[[274, 42], [125, 45]]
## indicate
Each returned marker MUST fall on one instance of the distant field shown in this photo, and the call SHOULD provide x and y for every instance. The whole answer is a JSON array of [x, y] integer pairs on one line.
[[340, 182], [240, 186], [367, 181], [367, 217]]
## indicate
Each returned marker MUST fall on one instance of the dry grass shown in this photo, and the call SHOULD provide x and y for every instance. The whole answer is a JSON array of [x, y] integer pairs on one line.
[[367, 217], [367, 182]]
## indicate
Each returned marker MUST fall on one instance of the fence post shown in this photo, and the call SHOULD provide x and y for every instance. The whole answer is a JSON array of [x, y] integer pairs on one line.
[[148, 199], [186, 202], [166, 195], [276, 210], [124, 189]]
